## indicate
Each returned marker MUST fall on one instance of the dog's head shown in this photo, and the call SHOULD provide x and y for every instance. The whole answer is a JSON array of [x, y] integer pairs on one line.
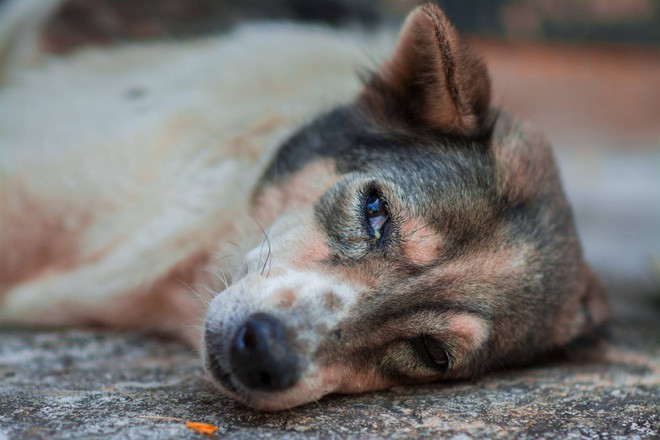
[[414, 235]]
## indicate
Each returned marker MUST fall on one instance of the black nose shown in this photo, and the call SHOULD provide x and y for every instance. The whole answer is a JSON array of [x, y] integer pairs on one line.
[[261, 357]]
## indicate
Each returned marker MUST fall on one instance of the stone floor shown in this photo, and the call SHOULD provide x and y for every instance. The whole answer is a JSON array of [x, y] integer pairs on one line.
[[92, 384]]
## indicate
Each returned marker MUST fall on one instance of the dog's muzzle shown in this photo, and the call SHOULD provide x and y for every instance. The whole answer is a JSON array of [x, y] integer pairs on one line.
[[260, 355]]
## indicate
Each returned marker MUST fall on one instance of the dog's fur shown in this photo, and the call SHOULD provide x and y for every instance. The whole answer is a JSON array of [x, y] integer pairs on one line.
[[136, 180]]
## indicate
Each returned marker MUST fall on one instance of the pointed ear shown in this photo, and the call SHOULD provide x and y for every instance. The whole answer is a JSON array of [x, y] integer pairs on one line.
[[433, 80]]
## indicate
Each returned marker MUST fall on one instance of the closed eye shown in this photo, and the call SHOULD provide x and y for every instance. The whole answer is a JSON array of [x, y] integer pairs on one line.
[[377, 215], [432, 353]]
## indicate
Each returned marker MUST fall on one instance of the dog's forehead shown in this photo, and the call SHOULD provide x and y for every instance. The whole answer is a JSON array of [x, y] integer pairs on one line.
[[448, 179], [425, 168], [452, 195]]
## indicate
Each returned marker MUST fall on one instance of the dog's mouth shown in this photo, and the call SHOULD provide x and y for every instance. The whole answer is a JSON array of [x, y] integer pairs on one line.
[[220, 375]]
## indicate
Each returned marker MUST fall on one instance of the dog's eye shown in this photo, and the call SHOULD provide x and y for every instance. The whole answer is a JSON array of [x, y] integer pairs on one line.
[[377, 213], [435, 353]]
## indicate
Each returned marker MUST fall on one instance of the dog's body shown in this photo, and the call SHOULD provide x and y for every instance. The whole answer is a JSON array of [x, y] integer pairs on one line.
[[413, 233], [112, 193]]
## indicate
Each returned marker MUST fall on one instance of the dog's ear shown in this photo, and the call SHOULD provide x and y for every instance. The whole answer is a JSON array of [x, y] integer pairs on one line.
[[433, 80]]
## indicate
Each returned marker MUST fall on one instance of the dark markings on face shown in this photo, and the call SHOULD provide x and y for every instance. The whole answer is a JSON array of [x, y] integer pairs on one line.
[[447, 180], [496, 274], [451, 184]]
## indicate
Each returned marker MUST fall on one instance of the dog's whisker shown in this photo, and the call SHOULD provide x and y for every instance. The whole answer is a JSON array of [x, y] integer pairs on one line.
[[265, 241], [219, 275], [211, 271], [412, 233], [223, 279], [261, 249], [228, 271], [268, 258], [270, 266], [227, 268], [206, 301], [218, 257], [194, 323], [213, 292]]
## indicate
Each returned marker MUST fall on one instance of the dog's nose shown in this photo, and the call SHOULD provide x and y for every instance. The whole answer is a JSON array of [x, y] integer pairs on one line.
[[261, 357]]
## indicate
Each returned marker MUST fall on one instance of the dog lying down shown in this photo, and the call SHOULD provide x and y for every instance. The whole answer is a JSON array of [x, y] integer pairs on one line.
[[312, 233]]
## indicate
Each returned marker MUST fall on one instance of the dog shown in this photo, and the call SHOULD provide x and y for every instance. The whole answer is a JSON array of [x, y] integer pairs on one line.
[[332, 234]]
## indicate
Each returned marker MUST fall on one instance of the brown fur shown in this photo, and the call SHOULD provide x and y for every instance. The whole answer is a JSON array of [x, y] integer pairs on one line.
[[421, 244], [437, 79]]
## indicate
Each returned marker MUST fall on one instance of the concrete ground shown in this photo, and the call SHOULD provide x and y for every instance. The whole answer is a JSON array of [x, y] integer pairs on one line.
[[94, 384], [91, 384]]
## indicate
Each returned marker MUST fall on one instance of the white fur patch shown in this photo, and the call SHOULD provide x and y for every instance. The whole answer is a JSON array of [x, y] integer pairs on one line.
[[153, 149]]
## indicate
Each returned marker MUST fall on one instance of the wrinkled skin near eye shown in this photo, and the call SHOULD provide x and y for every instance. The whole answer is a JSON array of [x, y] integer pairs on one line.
[[377, 214]]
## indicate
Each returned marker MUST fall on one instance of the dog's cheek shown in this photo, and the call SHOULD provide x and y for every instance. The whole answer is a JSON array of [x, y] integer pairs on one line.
[[584, 313]]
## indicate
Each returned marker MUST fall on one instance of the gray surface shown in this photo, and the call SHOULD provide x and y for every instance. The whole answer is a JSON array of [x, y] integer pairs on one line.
[[86, 384], [616, 198]]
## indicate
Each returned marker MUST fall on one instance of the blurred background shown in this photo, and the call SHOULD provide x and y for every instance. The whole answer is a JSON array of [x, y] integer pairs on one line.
[[584, 70]]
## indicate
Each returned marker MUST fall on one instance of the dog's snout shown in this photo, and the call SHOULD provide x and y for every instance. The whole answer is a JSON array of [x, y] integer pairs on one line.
[[261, 356]]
